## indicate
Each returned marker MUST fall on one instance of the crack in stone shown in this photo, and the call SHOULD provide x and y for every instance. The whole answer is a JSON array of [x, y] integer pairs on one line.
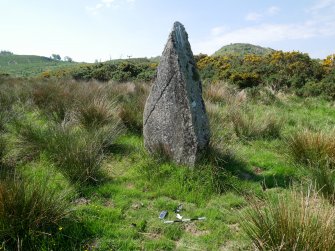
[[160, 96]]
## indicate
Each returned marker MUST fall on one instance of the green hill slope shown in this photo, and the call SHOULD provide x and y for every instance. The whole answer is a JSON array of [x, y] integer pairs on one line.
[[242, 49], [28, 65]]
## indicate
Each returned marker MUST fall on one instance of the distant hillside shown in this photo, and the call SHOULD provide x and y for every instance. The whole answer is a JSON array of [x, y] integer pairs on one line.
[[28, 65], [242, 49]]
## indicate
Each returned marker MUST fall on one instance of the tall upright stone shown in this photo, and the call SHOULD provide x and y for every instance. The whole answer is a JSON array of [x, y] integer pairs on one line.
[[175, 119]]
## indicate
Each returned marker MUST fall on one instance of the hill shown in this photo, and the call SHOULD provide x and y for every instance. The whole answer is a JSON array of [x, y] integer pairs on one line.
[[242, 49], [28, 65]]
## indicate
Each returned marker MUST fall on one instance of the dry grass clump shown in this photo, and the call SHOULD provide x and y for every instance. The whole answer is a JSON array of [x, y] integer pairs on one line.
[[97, 112], [54, 98], [248, 125], [293, 221], [132, 107], [223, 92]]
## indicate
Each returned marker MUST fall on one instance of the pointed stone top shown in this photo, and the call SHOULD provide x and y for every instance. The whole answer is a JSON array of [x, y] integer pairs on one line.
[[180, 38], [178, 24]]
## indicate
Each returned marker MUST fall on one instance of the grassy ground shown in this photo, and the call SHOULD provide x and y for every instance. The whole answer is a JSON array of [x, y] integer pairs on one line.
[[27, 66], [117, 207], [127, 208]]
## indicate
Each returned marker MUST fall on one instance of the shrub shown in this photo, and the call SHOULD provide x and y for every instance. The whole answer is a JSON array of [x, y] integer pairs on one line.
[[29, 210], [247, 125], [117, 70], [245, 79], [324, 88], [293, 221], [264, 95]]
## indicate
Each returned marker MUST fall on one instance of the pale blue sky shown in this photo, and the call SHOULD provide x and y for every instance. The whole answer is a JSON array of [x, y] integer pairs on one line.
[[101, 29]]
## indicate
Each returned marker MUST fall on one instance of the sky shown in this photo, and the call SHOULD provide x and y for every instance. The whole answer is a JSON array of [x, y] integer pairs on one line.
[[90, 30]]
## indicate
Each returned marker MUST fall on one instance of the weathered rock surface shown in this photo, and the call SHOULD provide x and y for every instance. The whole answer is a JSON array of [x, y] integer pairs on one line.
[[175, 119]]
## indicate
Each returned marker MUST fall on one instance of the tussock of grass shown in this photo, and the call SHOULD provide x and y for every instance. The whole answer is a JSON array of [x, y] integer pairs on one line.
[[29, 210], [77, 153], [264, 95], [307, 147], [316, 151], [323, 176], [293, 221], [132, 107], [97, 112], [222, 92], [2, 148], [247, 125], [53, 98]]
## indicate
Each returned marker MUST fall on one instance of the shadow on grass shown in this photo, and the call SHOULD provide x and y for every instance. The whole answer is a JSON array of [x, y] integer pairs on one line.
[[278, 180], [120, 149], [229, 172]]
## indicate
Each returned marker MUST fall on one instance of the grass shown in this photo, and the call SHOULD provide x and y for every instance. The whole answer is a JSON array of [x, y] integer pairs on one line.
[[249, 126], [28, 210], [316, 151], [77, 153], [293, 221], [133, 97], [71, 131], [307, 147], [29, 65]]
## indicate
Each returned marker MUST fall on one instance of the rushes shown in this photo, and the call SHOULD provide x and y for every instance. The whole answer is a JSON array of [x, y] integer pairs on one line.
[[29, 209], [316, 151], [293, 221], [132, 106], [77, 152], [97, 112], [249, 126], [308, 147]]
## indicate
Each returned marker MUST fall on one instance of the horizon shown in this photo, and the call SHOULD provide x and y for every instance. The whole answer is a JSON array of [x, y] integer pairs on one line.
[[101, 30]]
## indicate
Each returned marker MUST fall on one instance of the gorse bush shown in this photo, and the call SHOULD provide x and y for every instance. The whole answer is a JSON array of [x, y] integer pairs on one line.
[[118, 70], [293, 221], [29, 210], [278, 70], [325, 87]]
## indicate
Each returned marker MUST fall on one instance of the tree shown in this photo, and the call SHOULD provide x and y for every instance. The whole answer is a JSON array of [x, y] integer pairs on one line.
[[56, 57], [68, 59], [6, 53]]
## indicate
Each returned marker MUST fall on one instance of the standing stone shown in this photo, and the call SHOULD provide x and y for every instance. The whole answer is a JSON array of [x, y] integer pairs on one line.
[[175, 119]]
